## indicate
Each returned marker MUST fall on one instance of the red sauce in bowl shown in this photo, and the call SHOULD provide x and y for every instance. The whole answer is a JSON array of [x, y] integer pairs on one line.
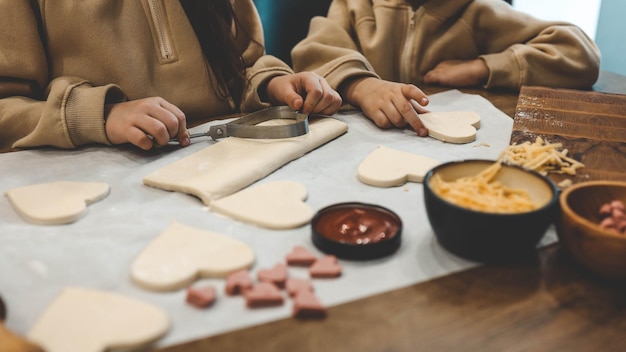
[[357, 225], [356, 230]]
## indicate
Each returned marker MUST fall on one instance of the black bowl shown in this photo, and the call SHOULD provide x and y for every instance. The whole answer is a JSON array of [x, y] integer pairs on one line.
[[489, 236]]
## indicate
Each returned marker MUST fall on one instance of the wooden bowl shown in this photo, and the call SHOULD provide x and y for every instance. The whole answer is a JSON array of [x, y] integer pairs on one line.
[[601, 251]]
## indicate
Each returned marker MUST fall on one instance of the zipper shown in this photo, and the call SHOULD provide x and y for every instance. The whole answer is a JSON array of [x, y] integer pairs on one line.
[[162, 37], [406, 63]]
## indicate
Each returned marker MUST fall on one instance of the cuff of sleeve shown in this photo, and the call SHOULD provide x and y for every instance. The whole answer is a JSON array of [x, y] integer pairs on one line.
[[504, 70], [263, 72], [348, 67], [84, 112]]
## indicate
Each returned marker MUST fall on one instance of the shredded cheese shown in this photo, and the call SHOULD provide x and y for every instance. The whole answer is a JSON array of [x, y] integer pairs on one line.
[[482, 192], [542, 157]]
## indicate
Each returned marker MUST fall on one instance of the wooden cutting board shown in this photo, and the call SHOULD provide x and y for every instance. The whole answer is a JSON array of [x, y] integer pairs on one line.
[[590, 125]]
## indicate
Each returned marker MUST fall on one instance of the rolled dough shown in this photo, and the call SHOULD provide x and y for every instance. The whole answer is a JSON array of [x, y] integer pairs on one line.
[[386, 167], [452, 126], [235, 163], [87, 320], [181, 254], [274, 205], [56, 202]]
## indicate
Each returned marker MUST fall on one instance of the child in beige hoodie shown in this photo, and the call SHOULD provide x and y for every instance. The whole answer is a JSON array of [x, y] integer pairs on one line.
[[376, 52], [80, 72]]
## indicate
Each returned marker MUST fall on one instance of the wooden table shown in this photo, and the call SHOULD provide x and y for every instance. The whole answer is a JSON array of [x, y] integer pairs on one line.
[[547, 303]]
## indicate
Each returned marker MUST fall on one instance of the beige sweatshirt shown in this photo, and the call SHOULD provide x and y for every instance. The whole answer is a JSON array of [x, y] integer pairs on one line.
[[391, 40], [61, 61]]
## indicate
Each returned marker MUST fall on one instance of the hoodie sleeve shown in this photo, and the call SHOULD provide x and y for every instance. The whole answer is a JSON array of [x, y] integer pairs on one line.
[[522, 50], [66, 112], [330, 50]]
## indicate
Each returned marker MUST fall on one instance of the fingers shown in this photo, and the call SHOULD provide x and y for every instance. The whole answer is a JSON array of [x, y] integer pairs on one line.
[[319, 96], [415, 95], [402, 108], [165, 121], [304, 91], [459, 73], [410, 116], [139, 138], [431, 77], [178, 128], [146, 122]]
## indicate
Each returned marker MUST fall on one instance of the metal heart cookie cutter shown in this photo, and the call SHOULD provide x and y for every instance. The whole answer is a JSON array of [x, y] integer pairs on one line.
[[248, 126]]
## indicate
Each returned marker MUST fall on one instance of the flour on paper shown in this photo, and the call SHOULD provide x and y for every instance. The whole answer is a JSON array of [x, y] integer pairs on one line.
[[452, 126], [274, 205], [56, 202], [87, 320], [232, 164], [386, 167], [182, 254]]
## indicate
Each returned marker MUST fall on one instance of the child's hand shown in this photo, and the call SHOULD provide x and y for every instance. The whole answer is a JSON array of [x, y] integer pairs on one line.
[[146, 122], [306, 92], [458, 73], [388, 104]]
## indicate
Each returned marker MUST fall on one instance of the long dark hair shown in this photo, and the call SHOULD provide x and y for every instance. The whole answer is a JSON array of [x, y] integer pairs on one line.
[[212, 21]]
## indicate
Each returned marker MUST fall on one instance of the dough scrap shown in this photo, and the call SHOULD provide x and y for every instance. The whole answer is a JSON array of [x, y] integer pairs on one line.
[[235, 163], [386, 167], [452, 126], [273, 205], [56, 203], [87, 320], [182, 253]]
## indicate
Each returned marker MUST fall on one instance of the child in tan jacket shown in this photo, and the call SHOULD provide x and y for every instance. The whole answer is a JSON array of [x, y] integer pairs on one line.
[[375, 52], [74, 73]]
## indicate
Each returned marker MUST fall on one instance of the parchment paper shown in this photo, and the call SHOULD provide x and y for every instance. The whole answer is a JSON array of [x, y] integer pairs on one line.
[[97, 250]]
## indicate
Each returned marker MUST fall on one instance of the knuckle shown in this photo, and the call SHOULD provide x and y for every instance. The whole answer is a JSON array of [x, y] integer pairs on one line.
[[405, 108]]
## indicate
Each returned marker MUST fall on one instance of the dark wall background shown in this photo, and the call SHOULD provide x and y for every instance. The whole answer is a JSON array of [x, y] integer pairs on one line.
[[286, 22]]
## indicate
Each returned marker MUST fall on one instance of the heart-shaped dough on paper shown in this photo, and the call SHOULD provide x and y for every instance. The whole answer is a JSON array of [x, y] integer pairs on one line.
[[56, 202], [386, 167], [452, 126], [274, 205], [86, 320], [181, 254]]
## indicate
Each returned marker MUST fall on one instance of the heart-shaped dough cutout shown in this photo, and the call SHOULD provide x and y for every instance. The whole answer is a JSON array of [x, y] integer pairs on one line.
[[89, 320], [386, 167], [274, 205], [56, 202], [181, 254], [452, 126]]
